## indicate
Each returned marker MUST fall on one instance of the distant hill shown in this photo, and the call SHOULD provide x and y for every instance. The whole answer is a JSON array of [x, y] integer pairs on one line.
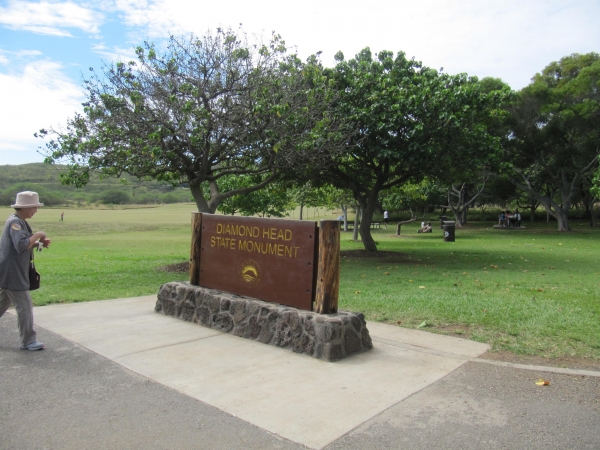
[[45, 179]]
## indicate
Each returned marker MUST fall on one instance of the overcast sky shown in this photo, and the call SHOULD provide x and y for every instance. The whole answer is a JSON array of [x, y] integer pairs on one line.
[[46, 47]]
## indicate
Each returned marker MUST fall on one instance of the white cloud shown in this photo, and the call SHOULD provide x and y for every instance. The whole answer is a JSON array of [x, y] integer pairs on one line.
[[153, 17], [510, 39], [41, 96], [115, 54], [50, 18]]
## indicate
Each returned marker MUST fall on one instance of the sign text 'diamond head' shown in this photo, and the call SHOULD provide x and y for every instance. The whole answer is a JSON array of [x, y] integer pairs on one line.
[[268, 259]]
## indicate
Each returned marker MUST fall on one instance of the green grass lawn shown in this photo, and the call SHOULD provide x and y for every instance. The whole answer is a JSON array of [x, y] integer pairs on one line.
[[534, 291]]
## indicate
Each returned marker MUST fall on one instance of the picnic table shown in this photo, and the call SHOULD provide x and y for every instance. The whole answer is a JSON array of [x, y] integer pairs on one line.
[[373, 225]]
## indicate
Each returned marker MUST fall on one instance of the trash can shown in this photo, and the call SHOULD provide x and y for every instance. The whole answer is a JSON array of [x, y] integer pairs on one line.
[[449, 229]]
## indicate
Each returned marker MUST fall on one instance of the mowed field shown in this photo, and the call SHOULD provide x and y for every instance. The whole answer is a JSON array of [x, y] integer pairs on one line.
[[529, 292]]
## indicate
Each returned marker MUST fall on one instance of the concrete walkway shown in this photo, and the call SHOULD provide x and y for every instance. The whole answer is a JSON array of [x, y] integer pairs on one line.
[[399, 393]]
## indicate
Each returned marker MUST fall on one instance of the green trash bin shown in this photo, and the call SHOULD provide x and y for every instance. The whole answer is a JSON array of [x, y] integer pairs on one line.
[[449, 230]]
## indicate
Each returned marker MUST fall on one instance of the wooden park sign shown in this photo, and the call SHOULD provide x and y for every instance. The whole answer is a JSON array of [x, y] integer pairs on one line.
[[290, 262]]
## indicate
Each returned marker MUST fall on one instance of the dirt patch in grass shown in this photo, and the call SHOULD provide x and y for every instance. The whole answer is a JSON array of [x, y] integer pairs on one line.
[[183, 267]]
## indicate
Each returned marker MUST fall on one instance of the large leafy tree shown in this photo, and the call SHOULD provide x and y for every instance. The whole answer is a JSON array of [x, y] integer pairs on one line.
[[465, 183], [205, 109], [412, 122], [555, 128], [273, 200]]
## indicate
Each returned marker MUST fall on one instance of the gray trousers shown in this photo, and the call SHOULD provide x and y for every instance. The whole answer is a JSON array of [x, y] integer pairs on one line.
[[24, 307]]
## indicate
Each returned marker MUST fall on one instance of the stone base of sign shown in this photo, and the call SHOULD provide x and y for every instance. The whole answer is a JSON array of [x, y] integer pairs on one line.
[[326, 336]]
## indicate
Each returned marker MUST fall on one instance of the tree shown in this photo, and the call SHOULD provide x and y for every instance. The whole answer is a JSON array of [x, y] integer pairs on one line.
[[555, 127], [115, 197], [414, 197], [273, 200], [589, 198], [465, 183], [305, 194], [207, 108], [460, 199], [412, 122]]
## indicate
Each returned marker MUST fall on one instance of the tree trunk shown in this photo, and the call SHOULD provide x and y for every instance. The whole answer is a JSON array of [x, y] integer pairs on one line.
[[463, 202], [365, 226], [533, 208], [559, 212], [568, 189], [562, 217], [399, 225], [593, 217], [458, 217], [345, 213], [589, 200], [356, 221], [301, 208], [201, 203]]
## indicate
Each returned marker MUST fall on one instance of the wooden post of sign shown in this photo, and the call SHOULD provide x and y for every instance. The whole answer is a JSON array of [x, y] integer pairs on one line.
[[196, 248], [328, 275]]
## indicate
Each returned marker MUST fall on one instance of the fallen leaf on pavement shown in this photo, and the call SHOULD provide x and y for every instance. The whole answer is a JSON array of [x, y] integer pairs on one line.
[[542, 382]]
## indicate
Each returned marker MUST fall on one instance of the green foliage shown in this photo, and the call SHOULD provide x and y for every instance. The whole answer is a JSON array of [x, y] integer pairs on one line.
[[206, 108], [413, 122], [115, 197], [45, 180], [555, 133], [410, 196], [596, 184], [271, 201]]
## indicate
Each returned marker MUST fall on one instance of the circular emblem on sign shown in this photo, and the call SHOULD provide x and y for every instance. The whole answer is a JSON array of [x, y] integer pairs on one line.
[[250, 272]]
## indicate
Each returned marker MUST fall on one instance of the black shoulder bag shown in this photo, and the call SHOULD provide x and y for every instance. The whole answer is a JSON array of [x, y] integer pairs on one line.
[[34, 276]]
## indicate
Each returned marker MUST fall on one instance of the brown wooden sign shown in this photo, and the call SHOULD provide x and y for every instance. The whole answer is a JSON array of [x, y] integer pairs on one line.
[[269, 259]]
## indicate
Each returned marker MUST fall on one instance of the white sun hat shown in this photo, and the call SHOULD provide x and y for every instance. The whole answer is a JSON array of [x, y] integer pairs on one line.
[[27, 199]]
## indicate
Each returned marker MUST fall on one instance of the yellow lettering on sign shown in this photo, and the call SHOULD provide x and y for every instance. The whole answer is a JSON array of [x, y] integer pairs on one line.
[[240, 230], [265, 248], [212, 241], [275, 234]]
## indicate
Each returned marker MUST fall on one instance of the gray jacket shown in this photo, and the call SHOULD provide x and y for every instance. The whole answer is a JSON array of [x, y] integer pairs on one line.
[[14, 255]]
